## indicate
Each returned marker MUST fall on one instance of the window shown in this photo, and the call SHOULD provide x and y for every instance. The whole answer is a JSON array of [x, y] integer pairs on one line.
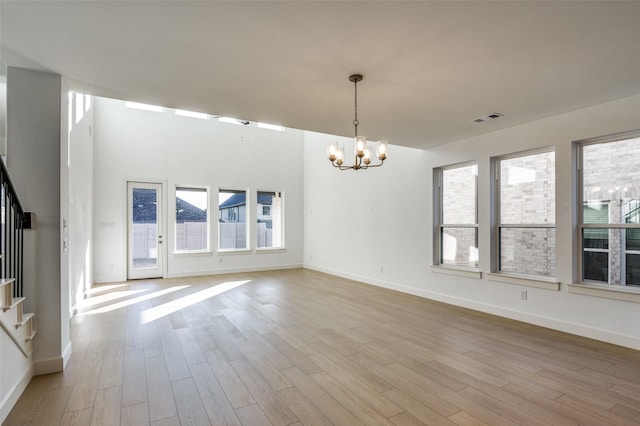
[[144, 107], [609, 217], [525, 212], [192, 219], [232, 220], [269, 220], [192, 114], [457, 227], [596, 242], [271, 127]]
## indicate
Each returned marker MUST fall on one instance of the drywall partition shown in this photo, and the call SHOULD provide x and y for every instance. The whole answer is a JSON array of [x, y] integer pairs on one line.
[[352, 242], [33, 150], [146, 146]]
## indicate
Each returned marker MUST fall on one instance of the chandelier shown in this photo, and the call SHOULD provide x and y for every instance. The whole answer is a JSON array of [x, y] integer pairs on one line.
[[362, 150]]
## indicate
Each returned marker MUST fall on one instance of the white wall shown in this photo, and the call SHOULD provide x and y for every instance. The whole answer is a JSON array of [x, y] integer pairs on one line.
[[140, 145], [33, 149], [344, 238], [77, 197], [359, 222], [16, 371]]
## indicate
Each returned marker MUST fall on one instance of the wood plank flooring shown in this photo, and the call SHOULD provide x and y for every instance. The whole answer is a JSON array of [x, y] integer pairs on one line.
[[300, 347]]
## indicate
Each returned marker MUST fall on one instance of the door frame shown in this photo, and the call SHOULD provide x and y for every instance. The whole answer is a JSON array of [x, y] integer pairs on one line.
[[162, 227]]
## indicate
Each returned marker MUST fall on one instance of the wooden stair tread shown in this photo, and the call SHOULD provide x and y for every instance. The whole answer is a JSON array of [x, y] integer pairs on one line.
[[25, 318], [14, 301], [6, 281], [33, 334], [24, 324]]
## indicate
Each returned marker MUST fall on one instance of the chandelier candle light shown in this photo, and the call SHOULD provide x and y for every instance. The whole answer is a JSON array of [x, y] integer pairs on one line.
[[362, 151]]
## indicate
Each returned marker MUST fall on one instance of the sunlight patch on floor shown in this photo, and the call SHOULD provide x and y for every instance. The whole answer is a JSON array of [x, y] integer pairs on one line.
[[108, 297], [135, 300], [168, 308], [103, 288]]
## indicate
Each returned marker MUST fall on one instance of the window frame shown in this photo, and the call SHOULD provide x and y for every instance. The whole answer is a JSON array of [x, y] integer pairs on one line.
[[247, 218], [271, 216], [207, 191], [581, 226], [440, 226], [497, 225]]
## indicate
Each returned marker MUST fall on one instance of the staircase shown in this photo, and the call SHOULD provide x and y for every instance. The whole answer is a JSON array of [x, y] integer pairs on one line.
[[19, 326]]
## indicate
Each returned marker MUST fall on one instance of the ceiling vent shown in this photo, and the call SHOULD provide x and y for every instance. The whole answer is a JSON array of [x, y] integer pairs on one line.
[[488, 117]]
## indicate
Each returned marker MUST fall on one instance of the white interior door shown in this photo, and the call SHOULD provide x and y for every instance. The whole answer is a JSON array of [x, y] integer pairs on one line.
[[145, 225]]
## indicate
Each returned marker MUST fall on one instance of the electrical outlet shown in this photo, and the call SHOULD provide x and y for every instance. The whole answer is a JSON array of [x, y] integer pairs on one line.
[[523, 295]]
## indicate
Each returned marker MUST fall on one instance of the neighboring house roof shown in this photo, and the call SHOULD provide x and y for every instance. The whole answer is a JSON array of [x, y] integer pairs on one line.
[[187, 212], [240, 199], [144, 208]]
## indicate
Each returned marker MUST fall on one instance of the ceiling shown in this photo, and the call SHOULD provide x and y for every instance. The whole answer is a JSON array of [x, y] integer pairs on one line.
[[429, 67]]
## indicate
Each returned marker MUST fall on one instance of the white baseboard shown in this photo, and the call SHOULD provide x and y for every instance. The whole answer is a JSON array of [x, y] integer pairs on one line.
[[219, 271], [47, 366], [14, 394], [234, 270], [66, 355], [548, 322], [115, 278]]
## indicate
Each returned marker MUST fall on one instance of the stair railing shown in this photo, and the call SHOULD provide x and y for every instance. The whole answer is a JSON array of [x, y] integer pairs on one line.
[[13, 220]]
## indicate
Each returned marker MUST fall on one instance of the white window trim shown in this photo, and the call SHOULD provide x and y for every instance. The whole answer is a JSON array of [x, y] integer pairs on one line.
[[592, 288], [546, 283], [185, 253], [457, 271], [496, 273], [248, 206], [193, 253], [438, 266], [608, 291], [224, 252], [283, 247], [263, 250]]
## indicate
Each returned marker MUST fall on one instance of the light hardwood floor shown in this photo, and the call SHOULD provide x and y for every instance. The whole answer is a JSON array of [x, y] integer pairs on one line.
[[300, 347]]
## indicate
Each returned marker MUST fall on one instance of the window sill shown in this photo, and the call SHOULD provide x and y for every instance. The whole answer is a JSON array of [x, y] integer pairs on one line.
[[233, 251], [263, 250], [525, 280], [460, 272], [195, 253], [608, 291]]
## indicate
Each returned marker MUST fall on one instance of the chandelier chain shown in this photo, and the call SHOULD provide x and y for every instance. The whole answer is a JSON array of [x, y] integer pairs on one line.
[[355, 107]]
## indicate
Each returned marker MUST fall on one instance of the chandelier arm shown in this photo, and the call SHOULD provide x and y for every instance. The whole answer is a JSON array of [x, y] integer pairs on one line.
[[362, 152], [356, 166], [372, 165], [344, 167], [340, 167]]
